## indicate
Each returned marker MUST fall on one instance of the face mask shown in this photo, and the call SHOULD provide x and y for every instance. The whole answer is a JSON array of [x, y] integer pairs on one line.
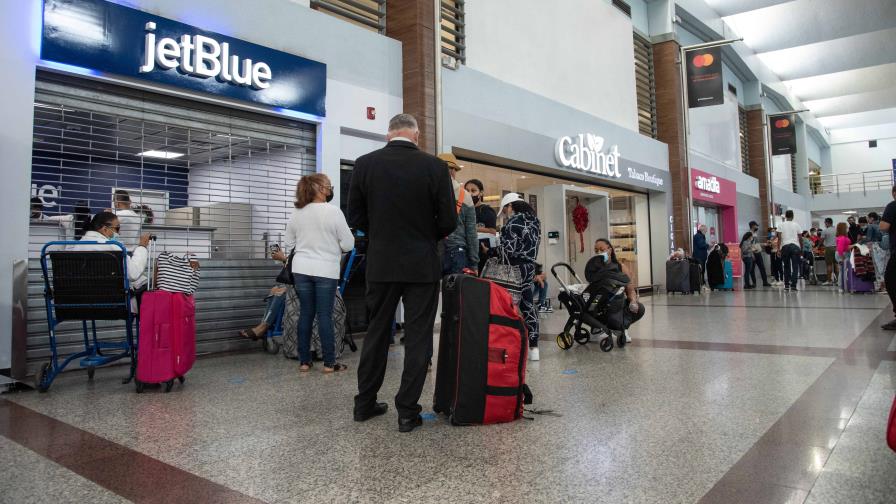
[[114, 237], [477, 199], [605, 256], [330, 197]]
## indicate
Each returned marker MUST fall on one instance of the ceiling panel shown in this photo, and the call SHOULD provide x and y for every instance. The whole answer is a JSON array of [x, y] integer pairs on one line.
[[854, 103], [870, 118], [861, 80], [804, 22], [731, 7], [850, 53]]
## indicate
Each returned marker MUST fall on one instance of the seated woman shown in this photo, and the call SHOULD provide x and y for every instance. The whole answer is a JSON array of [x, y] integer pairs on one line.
[[104, 227], [276, 301], [606, 266]]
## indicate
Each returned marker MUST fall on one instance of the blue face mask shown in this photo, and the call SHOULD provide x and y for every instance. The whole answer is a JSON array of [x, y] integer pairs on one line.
[[114, 237], [605, 256]]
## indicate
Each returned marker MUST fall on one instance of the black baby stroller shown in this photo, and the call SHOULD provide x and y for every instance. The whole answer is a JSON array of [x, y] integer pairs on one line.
[[599, 306]]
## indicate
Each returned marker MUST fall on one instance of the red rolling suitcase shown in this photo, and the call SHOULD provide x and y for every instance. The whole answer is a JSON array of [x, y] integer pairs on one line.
[[166, 346], [481, 368]]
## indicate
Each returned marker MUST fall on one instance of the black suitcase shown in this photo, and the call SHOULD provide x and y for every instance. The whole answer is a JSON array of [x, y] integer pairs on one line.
[[696, 275], [678, 277]]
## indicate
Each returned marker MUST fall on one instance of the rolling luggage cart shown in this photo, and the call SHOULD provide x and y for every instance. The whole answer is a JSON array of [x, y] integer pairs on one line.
[[86, 286]]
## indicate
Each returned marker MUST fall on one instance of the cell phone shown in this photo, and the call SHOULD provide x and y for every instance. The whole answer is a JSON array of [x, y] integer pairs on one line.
[[275, 248]]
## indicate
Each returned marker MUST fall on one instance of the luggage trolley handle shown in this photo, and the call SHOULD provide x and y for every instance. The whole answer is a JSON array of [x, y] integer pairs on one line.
[[568, 267], [150, 263]]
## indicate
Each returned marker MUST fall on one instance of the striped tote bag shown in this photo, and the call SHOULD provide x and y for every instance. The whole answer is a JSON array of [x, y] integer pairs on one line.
[[174, 274]]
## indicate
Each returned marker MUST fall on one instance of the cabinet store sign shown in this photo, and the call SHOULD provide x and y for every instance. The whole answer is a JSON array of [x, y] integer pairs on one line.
[[586, 152], [99, 37]]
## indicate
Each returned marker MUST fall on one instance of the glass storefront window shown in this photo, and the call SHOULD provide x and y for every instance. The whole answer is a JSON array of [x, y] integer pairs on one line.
[[625, 222]]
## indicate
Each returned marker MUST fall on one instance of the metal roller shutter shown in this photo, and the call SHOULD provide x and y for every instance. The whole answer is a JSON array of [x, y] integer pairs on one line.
[[219, 183]]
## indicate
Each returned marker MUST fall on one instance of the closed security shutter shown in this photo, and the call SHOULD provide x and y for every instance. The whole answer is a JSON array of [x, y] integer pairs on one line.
[[206, 180], [644, 84]]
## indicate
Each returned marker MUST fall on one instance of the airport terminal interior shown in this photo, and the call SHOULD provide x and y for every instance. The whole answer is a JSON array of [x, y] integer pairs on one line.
[[663, 273]]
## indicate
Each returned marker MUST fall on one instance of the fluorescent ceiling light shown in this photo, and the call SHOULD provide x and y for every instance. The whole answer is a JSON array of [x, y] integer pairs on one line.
[[161, 154], [850, 212]]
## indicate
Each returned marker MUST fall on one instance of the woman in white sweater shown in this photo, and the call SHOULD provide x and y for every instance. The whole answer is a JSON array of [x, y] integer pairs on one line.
[[319, 235]]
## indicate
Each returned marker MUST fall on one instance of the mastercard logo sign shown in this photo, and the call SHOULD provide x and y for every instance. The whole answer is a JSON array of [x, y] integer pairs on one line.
[[703, 60], [782, 123]]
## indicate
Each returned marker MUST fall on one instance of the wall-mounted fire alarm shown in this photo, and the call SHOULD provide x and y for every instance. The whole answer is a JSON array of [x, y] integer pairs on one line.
[[371, 113]]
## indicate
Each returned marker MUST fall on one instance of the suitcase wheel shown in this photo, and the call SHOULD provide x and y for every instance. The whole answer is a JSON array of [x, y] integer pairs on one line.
[[139, 385], [270, 346], [606, 344], [90, 371], [168, 385], [564, 340], [181, 379]]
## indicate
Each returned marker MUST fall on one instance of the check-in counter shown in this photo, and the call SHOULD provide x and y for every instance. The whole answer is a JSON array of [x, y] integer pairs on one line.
[[178, 240]]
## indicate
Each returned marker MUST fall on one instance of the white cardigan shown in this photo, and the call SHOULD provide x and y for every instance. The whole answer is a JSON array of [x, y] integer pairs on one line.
[[319, 235], [136, 262]]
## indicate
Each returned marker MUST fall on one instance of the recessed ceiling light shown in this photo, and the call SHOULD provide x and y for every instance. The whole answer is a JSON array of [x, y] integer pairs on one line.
[[161, 154]]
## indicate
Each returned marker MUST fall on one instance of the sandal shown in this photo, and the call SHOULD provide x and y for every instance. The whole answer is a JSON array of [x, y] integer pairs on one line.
[[335, 368], [305, 367], [249, 333]]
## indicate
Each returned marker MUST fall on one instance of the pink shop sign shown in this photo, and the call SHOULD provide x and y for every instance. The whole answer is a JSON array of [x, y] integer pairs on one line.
[[713, 189]]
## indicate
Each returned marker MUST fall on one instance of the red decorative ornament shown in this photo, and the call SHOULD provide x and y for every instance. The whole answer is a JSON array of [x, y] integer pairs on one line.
[[580, 221]]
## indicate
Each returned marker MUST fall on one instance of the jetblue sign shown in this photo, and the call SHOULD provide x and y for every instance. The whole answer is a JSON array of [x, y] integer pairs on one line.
[[106, 37]]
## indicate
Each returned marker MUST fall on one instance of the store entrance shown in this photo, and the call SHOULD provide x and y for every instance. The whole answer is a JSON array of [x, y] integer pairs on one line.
[[710, 217]]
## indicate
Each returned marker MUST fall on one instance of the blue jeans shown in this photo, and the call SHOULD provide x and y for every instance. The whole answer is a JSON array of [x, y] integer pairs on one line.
[[792, 257], [454, 261], [749, 274], [316, 298], [276, 303], [540, 293]]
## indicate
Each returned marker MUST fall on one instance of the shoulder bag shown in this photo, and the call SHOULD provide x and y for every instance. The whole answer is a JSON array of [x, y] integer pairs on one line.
[[500, 271], [175, 274], [285, 275]]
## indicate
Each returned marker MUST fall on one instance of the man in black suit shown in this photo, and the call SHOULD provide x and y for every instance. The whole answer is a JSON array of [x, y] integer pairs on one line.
[[403, 199]]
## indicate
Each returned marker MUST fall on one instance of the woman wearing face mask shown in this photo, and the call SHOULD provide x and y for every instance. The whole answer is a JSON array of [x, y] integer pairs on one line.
[[520, 238], [104, 227], [318, 234], [605, 258]]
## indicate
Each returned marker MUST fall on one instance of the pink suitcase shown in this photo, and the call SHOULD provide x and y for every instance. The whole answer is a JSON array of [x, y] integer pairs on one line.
[[166, 348]]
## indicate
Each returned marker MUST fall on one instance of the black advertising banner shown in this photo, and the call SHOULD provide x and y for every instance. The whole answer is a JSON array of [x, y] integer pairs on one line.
[[704, 77], [783, 134]]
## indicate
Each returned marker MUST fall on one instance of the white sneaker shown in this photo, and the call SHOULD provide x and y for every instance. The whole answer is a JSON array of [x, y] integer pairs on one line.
[[628, 337], [533, 354]]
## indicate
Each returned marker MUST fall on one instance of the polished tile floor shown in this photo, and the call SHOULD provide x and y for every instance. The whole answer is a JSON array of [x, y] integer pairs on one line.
[[725, 397]]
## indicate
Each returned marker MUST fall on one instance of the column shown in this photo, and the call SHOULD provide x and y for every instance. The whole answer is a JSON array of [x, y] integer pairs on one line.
[[670, 130], [412, 22], [758, 152]]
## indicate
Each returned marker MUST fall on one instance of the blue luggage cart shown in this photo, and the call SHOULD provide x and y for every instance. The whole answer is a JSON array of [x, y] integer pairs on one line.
[[87, 286]]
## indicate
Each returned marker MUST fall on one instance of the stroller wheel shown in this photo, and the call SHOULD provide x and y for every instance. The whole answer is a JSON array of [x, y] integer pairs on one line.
[[606, 344], [564, 340], [583, 337]]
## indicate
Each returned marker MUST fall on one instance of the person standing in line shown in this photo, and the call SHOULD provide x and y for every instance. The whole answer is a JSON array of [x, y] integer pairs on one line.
[[318, 235], [486, 217], [746, 254], [808, 258], [829, 239], [701, 248], [402, 261], [853, 230], [131, 223], [888, 226], [756, 247], [774, 251], [874, 239], [520, 238], [461, 246], [791, 250]]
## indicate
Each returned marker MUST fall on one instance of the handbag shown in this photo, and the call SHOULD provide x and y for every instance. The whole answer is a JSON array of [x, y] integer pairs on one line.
[[501, 272], [285, 275], [175, 274]]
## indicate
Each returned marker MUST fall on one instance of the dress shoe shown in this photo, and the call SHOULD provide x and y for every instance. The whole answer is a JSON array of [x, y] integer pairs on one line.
[[378, 409], [409, 424]]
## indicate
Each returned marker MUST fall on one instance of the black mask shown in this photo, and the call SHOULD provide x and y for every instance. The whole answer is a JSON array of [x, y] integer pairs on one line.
[[477, 199], [330, 197]]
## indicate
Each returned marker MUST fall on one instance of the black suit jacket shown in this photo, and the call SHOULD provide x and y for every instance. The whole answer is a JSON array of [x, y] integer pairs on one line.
[[403, 199]]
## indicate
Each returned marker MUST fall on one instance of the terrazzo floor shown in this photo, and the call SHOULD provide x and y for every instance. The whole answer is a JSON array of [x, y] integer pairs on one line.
[[640, 424]]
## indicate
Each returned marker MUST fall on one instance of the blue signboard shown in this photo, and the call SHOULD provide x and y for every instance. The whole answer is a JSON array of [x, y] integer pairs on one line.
[[106, 37]]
